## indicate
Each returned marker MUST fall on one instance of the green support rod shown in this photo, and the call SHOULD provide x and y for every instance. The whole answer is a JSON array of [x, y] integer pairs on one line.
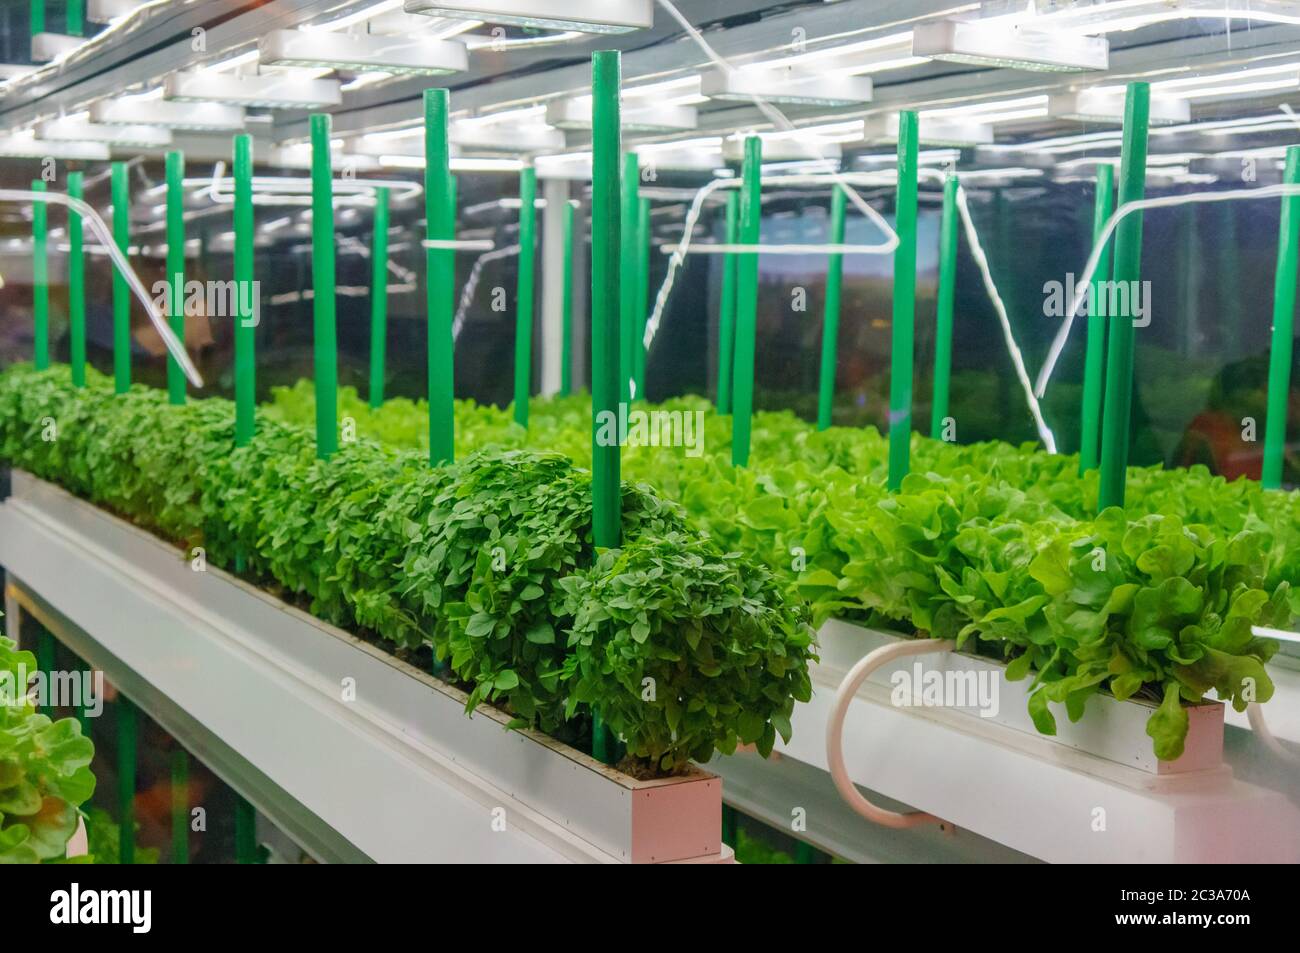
[[76, 287], [727, 306], [245, 832], [943, 316], [121, 294], [245, 327], [831, 313], [174, 168], [606, 349], [902, 340], [751, 217], [45, 662], [127, 718], [606, 318], [378, 298], [1279, 358], [566, 334], [40, 281], [524, 293], [325, 341], [440, 264], [180, 806], [37, 16], [1118, 402], [627, 269], [1095, 356], [76, 18], [83, 711], [642, 296]]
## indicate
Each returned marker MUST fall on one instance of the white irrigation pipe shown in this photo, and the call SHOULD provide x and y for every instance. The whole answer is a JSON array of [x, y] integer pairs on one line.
[[844, 696], [296, 190], [457, 244], [471, 285], [1085, 280], [105, 237], [869, 178], [1017, 359]]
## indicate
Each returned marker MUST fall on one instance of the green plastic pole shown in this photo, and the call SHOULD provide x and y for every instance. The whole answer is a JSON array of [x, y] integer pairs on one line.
[[322, 280], [245, 832], [245, 362], [378, 298], [1117, 408], [38, 16], [566, 335], [127, 717], [83, 711], [524, 293], [440, 213], [943, 316], [902, 339], [75, 21], [831, 313], [180, 806], [1095, 356], [751, 216], [40, 281], [727, 306], [174, 168], [729, 825], [627, 269], [76, 287], [1279, 358], [45, 665], [121, 294], [641, 298], [607, 381]]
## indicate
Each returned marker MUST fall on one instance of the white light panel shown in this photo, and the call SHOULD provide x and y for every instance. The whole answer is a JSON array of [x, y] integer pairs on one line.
[[1013, 47], [400, 55], [585, 16], [1094, 105], [576, 114], [272, 92], [882, 130], [76, 130], [788, 86], [198, 117]]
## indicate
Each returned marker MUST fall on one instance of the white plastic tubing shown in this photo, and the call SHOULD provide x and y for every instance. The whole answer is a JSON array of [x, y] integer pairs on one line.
[[835, 731], [863, 179], [1165, 201], [101, 231]]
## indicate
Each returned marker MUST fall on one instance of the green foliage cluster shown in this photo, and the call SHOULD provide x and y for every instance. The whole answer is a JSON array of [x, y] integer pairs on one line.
[[997, 546], [44, 769], [488, 561]]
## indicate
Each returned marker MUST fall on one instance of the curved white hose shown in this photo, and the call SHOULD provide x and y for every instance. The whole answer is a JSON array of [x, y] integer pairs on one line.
[[1017, 359], [1164, 201], [105, 236], [835, 731], [471, 285], [1255, 715]]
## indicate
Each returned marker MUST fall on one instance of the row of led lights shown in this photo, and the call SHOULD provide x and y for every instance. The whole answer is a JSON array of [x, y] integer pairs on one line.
[[212, 100]]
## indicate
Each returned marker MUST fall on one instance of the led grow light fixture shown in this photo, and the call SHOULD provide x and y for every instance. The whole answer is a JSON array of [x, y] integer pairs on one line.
[[77, 130], [47, 47], [936, 131], [27, 146], [585, 16], [786, 86], [503, 137], [400, 55], [272, 92], [1095, 105], [575, 114], [1012, 47], [198, 117]]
